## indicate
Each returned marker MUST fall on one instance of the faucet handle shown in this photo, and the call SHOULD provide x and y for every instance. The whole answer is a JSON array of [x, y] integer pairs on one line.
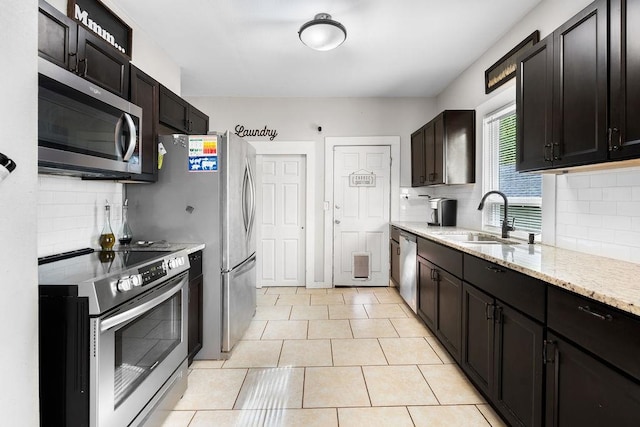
[[511, 227]]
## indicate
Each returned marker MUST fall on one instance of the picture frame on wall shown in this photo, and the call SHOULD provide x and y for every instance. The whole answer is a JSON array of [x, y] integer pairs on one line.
[[98, 18], [505, 68]]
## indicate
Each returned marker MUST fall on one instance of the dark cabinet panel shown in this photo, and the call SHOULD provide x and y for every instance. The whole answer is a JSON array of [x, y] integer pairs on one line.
[[518, 369], [429, 156], [100, 63], [394, 250], [606, 332], [418, 167], [71, 46], [580, 88], [194, 334], [582, 391], [534, 117], [442, 256], [448, 311], [624, 132], [57, 36], [198, 121], [178, 114], [145, 94], [174, 111], [443, 150], [477, 337], [520, 291], [194, 342], [427, 292]]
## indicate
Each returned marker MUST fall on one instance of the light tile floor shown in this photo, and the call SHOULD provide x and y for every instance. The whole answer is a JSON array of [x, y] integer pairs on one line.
[[332, 357]]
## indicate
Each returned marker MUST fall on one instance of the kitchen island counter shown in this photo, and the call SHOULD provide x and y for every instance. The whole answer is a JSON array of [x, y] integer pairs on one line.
[[612, 282]]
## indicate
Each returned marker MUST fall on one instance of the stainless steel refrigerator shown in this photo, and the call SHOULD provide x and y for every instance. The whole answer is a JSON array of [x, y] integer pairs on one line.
[[206, 193]]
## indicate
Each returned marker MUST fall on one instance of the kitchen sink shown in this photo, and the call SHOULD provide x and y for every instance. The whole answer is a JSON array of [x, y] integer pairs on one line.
[[475, 238]]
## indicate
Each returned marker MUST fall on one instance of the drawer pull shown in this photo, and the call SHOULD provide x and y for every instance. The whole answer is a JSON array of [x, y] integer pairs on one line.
[[587, 309], [495, 269]]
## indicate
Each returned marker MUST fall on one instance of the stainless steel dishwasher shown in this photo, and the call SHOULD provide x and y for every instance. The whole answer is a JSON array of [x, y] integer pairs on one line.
[[408, 281]]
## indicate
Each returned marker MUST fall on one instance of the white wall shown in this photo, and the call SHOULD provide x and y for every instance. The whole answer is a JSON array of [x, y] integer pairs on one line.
[[18, 266], [297, 119]]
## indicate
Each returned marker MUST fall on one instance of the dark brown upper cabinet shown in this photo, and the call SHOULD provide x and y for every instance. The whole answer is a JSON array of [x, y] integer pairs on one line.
[[418, 166], [145, 93], [578, 91], [178, 114], [624, 86], [443, 150], [62, 41]]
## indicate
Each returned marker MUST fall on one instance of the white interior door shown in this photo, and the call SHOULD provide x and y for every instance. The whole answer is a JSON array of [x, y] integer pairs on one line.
[[361, 215], [281, 213]]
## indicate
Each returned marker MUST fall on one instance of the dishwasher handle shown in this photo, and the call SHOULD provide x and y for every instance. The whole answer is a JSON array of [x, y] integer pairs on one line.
[[409, 237]]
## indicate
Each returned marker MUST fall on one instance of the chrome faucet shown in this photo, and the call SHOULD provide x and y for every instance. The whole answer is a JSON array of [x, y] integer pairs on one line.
[[506, 228]]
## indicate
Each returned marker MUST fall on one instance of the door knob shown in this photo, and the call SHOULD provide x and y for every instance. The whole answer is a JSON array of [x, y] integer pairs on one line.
[[337, 207], [337, 221]]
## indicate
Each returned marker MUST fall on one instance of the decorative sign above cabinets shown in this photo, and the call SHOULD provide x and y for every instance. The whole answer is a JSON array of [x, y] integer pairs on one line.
[[505, 69], [242, 132], [95, 16]]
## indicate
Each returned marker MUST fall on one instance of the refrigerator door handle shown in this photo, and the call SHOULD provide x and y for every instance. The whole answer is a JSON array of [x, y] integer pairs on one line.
[[252, 193], [245, 217]]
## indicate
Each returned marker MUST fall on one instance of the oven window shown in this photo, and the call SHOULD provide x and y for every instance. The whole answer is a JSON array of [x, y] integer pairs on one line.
[[144, 343]]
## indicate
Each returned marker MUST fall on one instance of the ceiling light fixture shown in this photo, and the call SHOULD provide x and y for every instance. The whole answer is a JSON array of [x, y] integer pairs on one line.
[[322, 33]]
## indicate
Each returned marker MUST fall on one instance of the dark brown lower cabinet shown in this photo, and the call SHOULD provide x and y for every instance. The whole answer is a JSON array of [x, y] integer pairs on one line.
[[518, 367], [394, 250], [502, 354], [448, 311], [583, 391], [426, 293], [477, 332], [194, 334]]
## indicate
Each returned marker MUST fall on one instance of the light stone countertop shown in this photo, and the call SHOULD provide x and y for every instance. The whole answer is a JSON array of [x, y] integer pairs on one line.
[[612, 282], [160, 247]]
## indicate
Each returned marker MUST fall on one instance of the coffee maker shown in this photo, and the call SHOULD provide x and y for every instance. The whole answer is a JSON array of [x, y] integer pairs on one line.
[[443, 212]]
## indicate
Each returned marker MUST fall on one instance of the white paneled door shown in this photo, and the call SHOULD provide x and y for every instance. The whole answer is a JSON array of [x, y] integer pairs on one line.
[[361, 209], [281, 257]]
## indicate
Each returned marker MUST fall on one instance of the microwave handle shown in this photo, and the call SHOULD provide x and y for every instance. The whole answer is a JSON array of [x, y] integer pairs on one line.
[[132, 137]]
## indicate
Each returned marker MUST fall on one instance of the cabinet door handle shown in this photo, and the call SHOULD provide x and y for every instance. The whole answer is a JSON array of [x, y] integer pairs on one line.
[[488, 310], [497, 313], [546, 153], [553, 151], [618, 146], [75, 66], [84, 73], [587, 309], [495, 269], [398, 250]]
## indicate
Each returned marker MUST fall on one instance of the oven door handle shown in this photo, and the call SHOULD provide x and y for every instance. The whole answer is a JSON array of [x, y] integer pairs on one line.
[[139, 310]]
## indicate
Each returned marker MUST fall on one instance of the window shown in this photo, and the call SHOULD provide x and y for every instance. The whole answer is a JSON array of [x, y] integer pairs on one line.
[[524, 191]]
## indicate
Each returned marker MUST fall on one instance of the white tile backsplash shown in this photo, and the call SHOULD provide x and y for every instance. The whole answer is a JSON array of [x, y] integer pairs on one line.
[[599, 213], [71, 212]]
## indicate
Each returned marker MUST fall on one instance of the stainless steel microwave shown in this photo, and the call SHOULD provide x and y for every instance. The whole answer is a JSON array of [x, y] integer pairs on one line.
[[83, 129]]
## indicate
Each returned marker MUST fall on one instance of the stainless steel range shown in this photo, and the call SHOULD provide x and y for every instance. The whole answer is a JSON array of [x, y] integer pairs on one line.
[[113, 336]]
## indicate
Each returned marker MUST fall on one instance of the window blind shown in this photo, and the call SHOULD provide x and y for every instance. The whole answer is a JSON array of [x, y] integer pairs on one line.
[[523, 190]]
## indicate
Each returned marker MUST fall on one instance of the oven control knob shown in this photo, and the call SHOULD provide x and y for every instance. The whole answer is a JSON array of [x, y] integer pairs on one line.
[[175, 263], [124, 284], [136, 280]]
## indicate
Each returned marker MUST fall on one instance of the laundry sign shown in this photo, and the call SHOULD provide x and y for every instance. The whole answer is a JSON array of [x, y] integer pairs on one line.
[[362, 179], [102, 21], [242, 132]]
